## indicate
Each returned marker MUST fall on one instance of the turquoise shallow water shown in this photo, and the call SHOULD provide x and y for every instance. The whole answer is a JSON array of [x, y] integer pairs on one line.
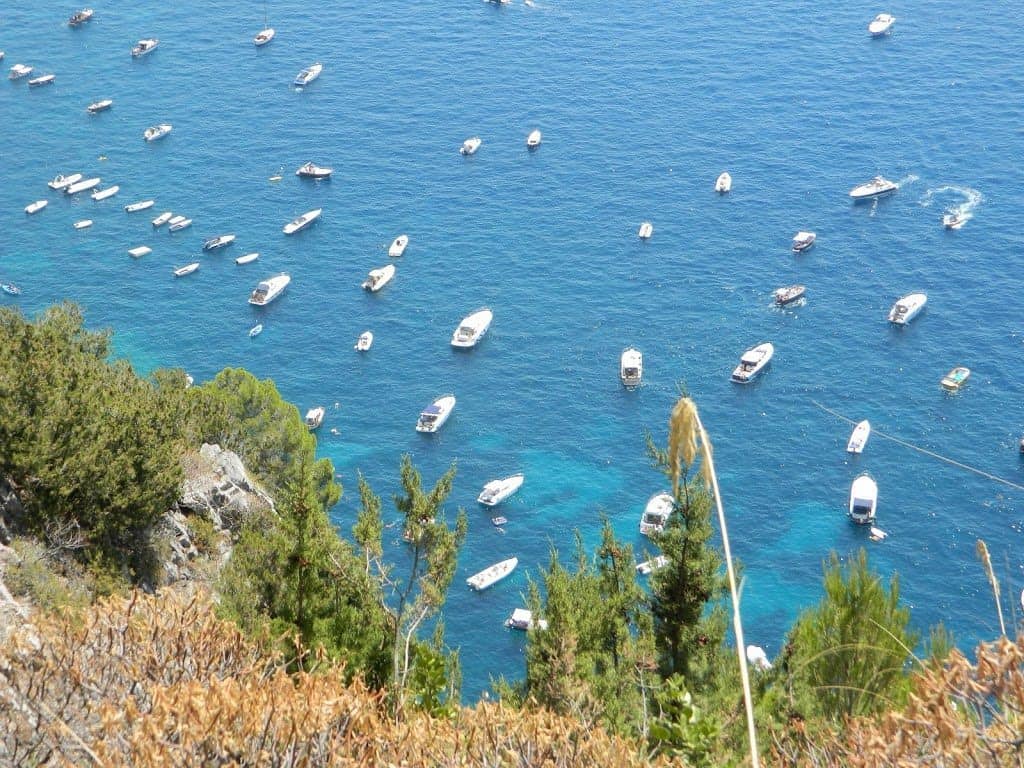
[[642, 106]]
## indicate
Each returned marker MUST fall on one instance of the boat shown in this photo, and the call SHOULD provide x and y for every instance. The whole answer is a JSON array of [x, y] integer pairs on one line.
[[256, 330], [803, 240], [264, 36], [37, 206], [907, 308], [496, 491], [139, 251], [656, 513], [10, 289], [80, 17], [433, 417], [877, 534], [522, 618], [313, 171], [188, 269], [647, 567], [247, 258], [878, 186], [859, 437], [268, 290], [61, 181], [881, 24], [493, 574], [308, 75], [378, 278], [470, 146], [631, 367], [177, 219], [139, 206], [723, 183], [163, 218], [220, 241], [18, 71], [145, 47], [41, 80], [757, 658], [99, 106], [499, 520], [472, 328], [155, 132], [646, 230], [956, 378], [863, 499], [533, 140], [302, 221], [103, 194], [954, 220], [364, 342], [83, 224], [398, 246], [314, 418], [788, 294], [82, 186], [753, 363], [177, 226]]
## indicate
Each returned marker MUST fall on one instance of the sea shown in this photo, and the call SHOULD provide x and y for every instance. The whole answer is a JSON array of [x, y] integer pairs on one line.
[[642, 106]]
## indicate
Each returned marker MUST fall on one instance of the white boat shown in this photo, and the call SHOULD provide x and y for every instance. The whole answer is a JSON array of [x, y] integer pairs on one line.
[[757, 658], [470, 146], [268, 290], [788, 294], [631, 367], [177, 226], [155, 132], [82, 186], [907, 308], [176, 220], [522, 618], [878, 186], [61, 181], [247, 258], [533, 140], [472, 328], [163, 218], [99, 106], [496, 491], [647, 567], [364, 342], [313, 171], [378, 278], [19, 71], [308, 75], [256, 330], [264, 36], [645, 231], [139, 251], [80, 17], [139, 206], [956, 378], [492, 575], [302, 221], [863, 499], [398, 246], [656, 513], [803, 240], [954, 220], [881, 24], [37, 206], [103, 194], [314, 418], [859, 437], [752, 363], [218, 242], [724, 182], [433, 417], [145, 47], [188, 269], [41, 80], [83, 224]]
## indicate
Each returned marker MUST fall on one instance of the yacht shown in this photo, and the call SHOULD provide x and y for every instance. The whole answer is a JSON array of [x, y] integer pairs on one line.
[[308, 75], [264, 36], [522, 618], [646, 230], [631, 367], [218, 242], [157, 131], [492, 575], [496, 491], [803, 240], [61, 181], [99, 106], [470, 146], [881, 24], [82, 186], [314, 418], [103, 194], [302, 221], [139, 251], [954, 220], [19, 71], [41, 80], [364, 342], [859, 437], [269, 289], [247, 258], [907, 308], [752, 363], [313, 171], [723, 183], [378, 278], [877, 187], [863, 499], [656, 513], [398, 246], [82, 224], [145, 47], [188, 269], [433, 417], [80, 17], [956, 378], [177, 226], [789, 294], [139, 206], [163, 218], [37, 206], [472, 328], [533, 140]]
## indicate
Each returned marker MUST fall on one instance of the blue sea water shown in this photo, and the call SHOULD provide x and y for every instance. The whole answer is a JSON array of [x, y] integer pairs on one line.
[[642, 105]]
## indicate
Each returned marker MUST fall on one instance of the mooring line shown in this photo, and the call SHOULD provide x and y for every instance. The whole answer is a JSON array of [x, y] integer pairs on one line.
[[925, 451]]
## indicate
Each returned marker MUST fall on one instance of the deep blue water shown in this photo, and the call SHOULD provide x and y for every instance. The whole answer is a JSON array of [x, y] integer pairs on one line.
[[642, 106]]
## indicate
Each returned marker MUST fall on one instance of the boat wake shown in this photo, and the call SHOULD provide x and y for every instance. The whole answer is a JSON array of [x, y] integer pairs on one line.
[[907, 180], [971, 199]]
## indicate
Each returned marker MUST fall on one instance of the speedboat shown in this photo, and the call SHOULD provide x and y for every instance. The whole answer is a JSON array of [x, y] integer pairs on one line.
[[177, 226], [163, 218], [83, 224], [314, 418], [877, 187], [863, 499], [955, 378], [63, 182], [522, 618], [433, 417], [802, 241], [364, 342], [268, 290], [19, 71], [646, 230], [398, 246], [656, 513], [256, 330], [99, 106], [247, 258], [41, 80], [37, 206], [263, 37], [954, 220], [752, 363], [647, 567], [378, 278], [302, 221], [139, 251], [157, 131], [82, 186], [139, 206], [533, 140], [881, 24], [859, 437], [308, 75], [496, 491], [492, 575], [145, 47], [472, 328], [723, 183], [188, 269], [10, 288], [907, 308], [313, 171], [788, 294], [631, 367], [80, 17], [103, 194], [470, 146], [218, 242]]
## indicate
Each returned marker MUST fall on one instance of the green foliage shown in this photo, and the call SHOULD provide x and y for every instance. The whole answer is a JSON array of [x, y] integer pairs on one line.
[[681, 729], [202, 532], [34, 576]]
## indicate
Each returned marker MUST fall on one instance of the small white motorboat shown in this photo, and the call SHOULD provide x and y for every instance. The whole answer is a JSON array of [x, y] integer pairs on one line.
[[314, 418], [470, 146], [723, 183], [472, 328], [496, 491], [757, 658], [788, 294], [302, 221], [139, 206], [752, 363], [433, 417], [80, 17], [83, 224], [264, 36], [308, 75], [163, 218], [82, 186], [313, 171], [247, 258], [99, 106], [647, 567], [645, 231], [103, 194], [859, 437], [219, 241], [522, 618], [256, 330], [41, 80], [144, 47], [881, 24], [10, 289], [954, 220], [188, 269], [656, 513], [956, 378], [877, 534], [534, 139], [155, 132], [398, 246], [37, 206], [364, 342], [268, 290], [876, 187], [863, 499], [803, 240], [378, 278], [60, 181], [631, 367], [907, 308], [492, 575], [18, 71], [139, 251], [177, 226]]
